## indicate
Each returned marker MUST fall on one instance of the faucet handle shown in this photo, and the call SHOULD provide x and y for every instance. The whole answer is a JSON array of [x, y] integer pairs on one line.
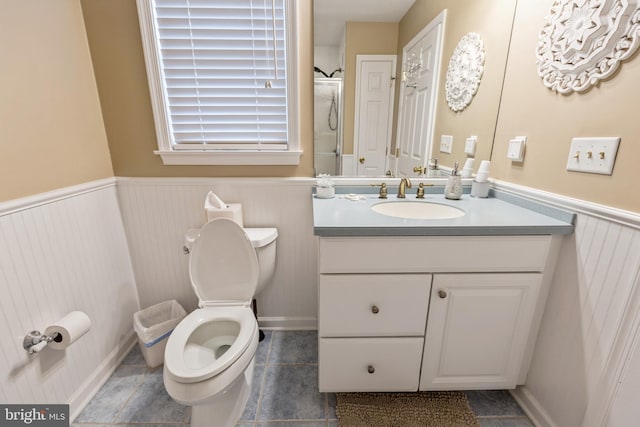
[[383, 190], [420, 192]]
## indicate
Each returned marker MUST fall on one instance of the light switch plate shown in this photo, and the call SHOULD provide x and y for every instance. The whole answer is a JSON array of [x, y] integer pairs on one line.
[[593, 155], [470, 145], [515, 151], [446, 143]]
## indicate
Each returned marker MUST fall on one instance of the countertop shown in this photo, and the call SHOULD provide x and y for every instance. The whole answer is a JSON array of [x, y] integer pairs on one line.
[[495, 215]]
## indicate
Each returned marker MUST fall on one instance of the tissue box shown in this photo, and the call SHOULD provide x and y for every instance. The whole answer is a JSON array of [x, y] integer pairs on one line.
[[232, 210]]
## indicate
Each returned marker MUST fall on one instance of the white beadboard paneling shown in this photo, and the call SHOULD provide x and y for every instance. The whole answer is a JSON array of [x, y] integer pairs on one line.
[[157, 213], [588, 322], [59, 252]]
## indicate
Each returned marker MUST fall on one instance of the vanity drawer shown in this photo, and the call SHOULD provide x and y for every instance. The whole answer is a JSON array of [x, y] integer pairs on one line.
[[433, 254], [373, 304], [369, 364]]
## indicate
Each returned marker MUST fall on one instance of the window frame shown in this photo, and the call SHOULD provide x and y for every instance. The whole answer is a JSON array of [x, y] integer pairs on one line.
[[171, 156]]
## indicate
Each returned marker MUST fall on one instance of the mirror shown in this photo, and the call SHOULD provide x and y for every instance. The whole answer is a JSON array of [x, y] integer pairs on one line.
[[344, 29]]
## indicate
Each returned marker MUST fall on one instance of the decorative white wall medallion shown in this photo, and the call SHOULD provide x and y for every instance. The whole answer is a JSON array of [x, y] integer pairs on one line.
[[465, 71], [584, 41]]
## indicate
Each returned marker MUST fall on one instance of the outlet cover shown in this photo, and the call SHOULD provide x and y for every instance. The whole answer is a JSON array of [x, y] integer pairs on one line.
[[593, 155], [446, 143]]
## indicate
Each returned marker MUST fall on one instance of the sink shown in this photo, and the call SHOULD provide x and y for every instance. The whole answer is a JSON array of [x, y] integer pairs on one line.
[[417, 210]]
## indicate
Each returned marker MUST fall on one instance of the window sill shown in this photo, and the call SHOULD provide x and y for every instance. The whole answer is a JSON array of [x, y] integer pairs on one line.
[[230, 158]]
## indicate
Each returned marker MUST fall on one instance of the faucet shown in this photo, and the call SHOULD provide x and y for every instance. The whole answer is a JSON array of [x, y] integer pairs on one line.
[[404, 182]]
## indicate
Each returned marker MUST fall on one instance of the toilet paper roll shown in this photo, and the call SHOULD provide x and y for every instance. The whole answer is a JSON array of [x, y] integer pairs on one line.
[[68, 329]]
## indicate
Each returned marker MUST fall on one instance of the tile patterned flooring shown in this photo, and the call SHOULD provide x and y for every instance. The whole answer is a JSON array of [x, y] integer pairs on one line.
[[284, 393]]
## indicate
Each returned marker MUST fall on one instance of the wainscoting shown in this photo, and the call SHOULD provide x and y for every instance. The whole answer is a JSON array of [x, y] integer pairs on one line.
[[80, 248], [64, 251], [157, 212], [590, 321]]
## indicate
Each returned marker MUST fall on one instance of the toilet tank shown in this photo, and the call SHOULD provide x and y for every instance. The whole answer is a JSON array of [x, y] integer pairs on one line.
[[263, 241]]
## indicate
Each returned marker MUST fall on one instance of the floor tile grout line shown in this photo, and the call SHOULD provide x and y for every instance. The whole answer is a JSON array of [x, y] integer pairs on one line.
[[126, 402], [264, 378]]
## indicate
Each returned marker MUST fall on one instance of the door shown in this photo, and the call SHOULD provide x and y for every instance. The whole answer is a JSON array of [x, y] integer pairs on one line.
[[421, 59], [375, 88], [477, 330]]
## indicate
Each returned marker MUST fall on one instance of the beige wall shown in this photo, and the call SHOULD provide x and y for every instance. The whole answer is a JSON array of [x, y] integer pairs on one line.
[[550, 120], [362, 38], [116, 49], [52, 130], [492, 19]]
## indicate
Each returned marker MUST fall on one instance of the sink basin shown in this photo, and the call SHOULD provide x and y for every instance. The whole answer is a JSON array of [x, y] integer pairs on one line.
[[417, 210]]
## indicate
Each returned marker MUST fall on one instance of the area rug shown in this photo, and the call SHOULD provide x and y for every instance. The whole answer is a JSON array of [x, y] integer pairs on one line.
[[422, 409]]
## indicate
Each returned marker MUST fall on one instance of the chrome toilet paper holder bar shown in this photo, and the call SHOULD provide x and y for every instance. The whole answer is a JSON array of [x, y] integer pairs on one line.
[[34, 341]]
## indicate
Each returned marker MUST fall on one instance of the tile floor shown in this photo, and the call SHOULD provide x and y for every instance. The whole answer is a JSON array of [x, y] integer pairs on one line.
[[284, 394]]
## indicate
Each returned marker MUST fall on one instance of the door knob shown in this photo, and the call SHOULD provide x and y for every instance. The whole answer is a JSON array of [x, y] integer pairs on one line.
[[375, 309], [442, 294], [361, 160], [370, 369]]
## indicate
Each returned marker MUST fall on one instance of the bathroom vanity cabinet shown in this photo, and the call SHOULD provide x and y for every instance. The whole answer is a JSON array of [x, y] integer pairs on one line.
[[407, 313]]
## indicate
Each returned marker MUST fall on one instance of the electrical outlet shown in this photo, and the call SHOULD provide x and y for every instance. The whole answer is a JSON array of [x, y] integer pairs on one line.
[[470, 145], [593, 155], [446, 143]]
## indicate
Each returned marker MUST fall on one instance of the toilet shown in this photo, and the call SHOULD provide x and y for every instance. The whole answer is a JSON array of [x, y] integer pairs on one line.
[[209, 356]]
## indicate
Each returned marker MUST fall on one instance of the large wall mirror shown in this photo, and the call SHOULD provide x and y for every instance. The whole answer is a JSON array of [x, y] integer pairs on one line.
[[358, 57]]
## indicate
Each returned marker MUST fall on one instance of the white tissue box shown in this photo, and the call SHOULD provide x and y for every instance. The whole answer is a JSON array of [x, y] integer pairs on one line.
[[232, 210]]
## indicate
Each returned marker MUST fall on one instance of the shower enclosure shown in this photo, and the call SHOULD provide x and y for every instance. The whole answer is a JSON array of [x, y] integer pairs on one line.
[[327, 135]]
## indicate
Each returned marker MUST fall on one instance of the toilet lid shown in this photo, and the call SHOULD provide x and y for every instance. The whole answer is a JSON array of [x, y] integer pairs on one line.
[[223, 264]]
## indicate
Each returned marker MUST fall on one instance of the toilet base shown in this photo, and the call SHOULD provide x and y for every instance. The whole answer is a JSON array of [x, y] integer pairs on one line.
[[225, 408]]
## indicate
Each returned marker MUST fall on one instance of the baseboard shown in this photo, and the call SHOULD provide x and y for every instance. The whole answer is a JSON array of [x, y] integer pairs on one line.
[[530, 405], [286, 323], [91, 385]]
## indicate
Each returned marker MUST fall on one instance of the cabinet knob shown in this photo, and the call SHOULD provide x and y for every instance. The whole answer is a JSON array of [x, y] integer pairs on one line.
[[442, 294], [375, 309], [370, 369]]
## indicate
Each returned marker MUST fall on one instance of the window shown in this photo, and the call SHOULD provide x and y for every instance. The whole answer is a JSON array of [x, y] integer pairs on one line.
[[219, 75]]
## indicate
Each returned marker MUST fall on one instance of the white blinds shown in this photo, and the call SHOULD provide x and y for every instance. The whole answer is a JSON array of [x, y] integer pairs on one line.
[[217, 58]]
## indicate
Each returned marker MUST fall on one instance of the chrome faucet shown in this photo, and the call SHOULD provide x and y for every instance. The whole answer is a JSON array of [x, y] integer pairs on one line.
[[404, 182]]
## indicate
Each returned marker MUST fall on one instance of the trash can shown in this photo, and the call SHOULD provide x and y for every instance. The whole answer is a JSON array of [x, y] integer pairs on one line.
[[154, 325]]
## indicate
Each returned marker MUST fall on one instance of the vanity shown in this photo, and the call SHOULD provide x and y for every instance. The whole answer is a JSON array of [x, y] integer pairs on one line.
[[409, 304]]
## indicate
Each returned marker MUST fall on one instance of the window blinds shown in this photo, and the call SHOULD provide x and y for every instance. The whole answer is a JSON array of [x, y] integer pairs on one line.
[[218, 57]]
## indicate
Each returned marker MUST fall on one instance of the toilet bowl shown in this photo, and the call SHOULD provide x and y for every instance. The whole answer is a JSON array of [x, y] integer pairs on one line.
[[209, 356]]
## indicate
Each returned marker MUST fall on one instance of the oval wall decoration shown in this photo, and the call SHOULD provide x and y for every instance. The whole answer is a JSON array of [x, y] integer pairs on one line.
[[584, 41], [465, 71]]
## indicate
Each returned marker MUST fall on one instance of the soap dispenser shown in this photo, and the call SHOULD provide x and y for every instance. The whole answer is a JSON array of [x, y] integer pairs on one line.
[[453, 189]]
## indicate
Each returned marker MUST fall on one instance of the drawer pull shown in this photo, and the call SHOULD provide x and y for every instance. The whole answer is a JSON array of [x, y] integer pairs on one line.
[[371, 369], [375, 309], [442, 294]]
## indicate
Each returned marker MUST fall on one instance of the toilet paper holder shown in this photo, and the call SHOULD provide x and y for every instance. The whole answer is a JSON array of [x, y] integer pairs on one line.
[[34, 341]]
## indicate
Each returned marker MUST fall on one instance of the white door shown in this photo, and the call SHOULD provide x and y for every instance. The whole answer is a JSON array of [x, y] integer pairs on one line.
[[477, 330], [421, 59], [375, 88]]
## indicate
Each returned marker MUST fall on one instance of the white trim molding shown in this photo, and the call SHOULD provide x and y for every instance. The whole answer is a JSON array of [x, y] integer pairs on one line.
[[16, 205]]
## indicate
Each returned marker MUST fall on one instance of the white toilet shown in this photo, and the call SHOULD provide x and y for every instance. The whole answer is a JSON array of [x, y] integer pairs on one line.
[[209, 356]]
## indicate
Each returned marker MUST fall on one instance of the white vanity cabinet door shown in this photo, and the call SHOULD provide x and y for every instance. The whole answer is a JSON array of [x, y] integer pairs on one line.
[[369, 364], [477, 330], [373, 304]]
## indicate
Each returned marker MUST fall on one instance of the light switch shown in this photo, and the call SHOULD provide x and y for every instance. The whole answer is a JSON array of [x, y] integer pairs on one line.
[[515, 151], [446, 143], [470, 145], [593, 155]]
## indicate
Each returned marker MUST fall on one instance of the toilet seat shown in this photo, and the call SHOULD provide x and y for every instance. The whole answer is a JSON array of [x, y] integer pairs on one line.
[[223, 268], [192, 355]]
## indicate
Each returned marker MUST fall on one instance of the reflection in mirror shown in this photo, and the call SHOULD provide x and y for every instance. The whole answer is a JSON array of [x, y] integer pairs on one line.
[[340, 37]]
